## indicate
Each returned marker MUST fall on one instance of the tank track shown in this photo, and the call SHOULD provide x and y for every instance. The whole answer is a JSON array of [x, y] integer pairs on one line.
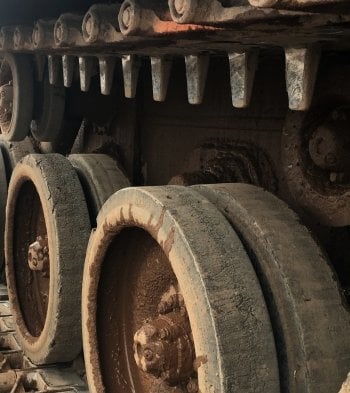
[[73, 46], [18, 374], [95, 40]]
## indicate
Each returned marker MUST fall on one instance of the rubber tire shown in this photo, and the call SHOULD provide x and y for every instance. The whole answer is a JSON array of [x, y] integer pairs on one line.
[[23, 96], [100, 177], [309, 316], [68, 228], [220, 288], [3, 199], [51, 119], [13, 152]]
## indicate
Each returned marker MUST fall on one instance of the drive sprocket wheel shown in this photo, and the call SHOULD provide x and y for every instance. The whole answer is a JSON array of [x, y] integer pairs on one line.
[[47, 231], [100, 177], [16, 96], [171, 302], [308, 314]]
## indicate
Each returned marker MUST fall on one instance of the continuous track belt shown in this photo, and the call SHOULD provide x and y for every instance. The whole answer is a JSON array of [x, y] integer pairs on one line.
[[19, 375]]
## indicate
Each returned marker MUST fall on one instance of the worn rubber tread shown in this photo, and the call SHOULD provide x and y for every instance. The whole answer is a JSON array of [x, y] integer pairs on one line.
[[100, 177], [3, 199], [229, 318], [13, 152], [68, 227], [23, 96], [311, 323]]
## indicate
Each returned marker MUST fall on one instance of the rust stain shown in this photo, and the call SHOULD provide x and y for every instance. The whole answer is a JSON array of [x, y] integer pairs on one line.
[[168, 243], [168, 27], [199, 361]]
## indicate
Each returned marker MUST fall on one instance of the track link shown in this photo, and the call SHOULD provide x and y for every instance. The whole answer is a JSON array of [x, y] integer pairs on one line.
[[19, 375]]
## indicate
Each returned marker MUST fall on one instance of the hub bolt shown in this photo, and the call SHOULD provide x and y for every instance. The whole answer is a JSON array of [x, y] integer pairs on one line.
[[38, 255], [162, 347]]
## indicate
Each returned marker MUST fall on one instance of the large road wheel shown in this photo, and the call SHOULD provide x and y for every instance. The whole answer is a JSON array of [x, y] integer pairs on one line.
[[170, 299], [100, 177], [308, 314], [47, 231], [11, 153], [16, 96]]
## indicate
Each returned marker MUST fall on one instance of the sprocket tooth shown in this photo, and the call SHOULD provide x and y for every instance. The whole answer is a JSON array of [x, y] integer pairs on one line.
[[161, 68], [106, 66], [39, 66], [242, 73], [301, 71], [68, 65], [131, 67], [54, 64], [86, 66], [196, 75]]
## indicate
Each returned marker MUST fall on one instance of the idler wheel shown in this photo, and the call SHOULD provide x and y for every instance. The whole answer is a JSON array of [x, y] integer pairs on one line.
[[16, 96], [309, 318], [171, 302], [100, 177], [47, 230]]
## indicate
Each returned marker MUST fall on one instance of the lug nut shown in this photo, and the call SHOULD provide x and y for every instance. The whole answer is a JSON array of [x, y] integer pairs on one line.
[[163, 348]]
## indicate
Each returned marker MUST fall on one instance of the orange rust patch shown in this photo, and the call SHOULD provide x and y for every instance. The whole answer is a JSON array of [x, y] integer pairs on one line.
[[162, 27]]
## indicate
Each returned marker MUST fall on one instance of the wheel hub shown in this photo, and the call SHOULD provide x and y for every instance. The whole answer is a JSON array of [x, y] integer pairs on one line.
[[163, 346], [38, 254]]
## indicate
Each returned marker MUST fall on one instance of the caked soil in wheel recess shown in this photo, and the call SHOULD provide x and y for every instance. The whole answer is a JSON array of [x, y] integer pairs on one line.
[[135, 274], [32, 286]]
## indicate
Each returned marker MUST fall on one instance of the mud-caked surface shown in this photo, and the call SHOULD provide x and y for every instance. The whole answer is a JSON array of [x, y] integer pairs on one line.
[[135, 275]]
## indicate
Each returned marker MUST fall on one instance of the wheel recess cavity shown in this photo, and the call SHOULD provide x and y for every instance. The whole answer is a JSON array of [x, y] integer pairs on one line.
[[16, 96], [100, 177], [46, 234], [49, 111], [310, 322], [171, 301]]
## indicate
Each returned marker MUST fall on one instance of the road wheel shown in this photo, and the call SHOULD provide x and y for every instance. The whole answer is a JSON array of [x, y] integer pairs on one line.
[[100, 177], [308, 314], [11, 153], [171, 300], [16, 96], [47, 230]]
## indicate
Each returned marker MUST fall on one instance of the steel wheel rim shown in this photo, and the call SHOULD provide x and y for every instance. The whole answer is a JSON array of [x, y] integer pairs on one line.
[[32, 286], [7, 97]]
